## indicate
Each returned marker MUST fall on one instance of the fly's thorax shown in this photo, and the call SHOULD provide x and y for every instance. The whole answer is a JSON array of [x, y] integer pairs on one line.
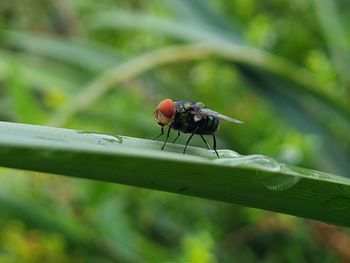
[[182, 121], [183, 105]]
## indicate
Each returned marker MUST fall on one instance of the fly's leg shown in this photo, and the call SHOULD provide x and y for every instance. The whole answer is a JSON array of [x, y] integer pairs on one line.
[[190, 138], [161, 133], [214, 146], [206, 143], [177, 136], [167, 137]]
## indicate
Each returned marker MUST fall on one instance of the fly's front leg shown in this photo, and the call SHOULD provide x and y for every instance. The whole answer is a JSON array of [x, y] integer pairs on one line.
[[167, 137], [177, 136], [161, 133]]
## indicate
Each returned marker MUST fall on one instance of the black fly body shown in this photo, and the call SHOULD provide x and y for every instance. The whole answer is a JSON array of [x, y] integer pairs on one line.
[[189, 117]]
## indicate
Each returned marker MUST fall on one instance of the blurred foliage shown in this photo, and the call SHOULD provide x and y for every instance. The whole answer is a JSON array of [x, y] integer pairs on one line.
[[52, 52]]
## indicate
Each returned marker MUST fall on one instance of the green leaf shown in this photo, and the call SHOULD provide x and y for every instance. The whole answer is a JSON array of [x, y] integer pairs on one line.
[[92, 57], [195, 32], [335, 35], [303, 111], [126, 20], [254, 180], [37, 213], [45, 76], [202, 13], [23, 102]]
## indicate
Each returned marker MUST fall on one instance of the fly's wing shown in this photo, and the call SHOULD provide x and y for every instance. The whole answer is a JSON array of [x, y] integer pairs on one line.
[[200, 112], [208, 112]]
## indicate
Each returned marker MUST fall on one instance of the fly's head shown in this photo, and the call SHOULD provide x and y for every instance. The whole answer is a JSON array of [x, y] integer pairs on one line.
[[165, 112]]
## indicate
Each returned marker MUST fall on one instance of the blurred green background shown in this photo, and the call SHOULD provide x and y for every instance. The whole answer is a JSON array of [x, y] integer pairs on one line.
[[279, 66]]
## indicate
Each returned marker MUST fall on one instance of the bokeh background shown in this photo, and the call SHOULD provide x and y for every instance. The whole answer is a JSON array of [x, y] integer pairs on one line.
[[281, 66]]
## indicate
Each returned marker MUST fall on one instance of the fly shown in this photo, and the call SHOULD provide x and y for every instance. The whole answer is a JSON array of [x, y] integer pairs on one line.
[[189, 117]]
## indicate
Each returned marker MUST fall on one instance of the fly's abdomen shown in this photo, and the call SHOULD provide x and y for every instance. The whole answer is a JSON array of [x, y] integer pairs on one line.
[[208, 125]]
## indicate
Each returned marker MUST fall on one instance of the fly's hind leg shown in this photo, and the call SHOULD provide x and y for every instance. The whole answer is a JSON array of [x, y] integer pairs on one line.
[[177, 136], [214, 145], [206, 143]]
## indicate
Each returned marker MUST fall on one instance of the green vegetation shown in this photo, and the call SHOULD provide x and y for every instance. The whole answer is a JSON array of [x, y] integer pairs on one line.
[[231, 178], [102, 67]]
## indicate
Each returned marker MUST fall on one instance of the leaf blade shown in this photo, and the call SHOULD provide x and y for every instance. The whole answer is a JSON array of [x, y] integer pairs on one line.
[[255, 181]]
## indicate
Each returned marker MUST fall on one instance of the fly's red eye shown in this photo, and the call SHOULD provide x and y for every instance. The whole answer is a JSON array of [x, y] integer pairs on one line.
[[167, 108]]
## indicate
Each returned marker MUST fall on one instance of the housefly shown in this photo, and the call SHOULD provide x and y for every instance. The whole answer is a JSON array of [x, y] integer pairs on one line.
[[189, 117]]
